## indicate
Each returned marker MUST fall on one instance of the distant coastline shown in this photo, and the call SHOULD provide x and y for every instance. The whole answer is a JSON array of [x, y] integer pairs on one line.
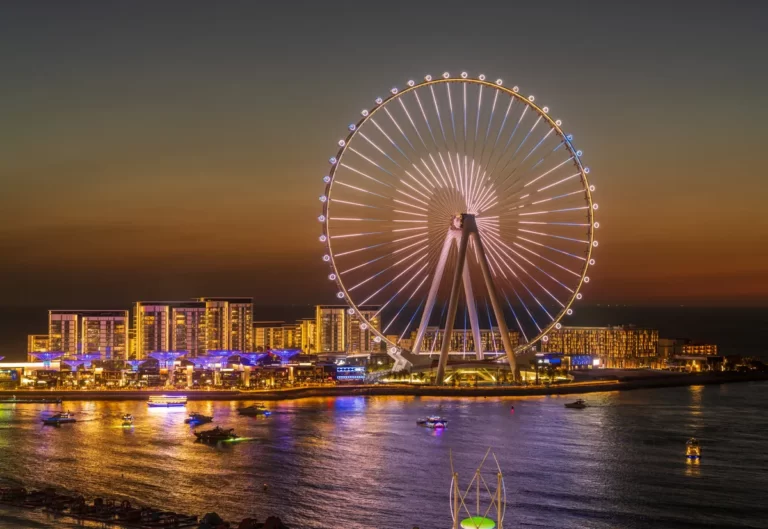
[[404, 390]]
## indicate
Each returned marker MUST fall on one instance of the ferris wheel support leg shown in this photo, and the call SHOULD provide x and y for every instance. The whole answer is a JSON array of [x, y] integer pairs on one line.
[[427, 314], [497, 310], [474, 322], [453, 304]]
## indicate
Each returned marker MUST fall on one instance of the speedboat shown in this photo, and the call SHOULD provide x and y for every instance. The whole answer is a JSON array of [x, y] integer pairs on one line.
[[692, 448], [127, 419], [215, 435], [577, 405], [198, 418], [255, 409], [167, 401], [433, 421], [60, 418]]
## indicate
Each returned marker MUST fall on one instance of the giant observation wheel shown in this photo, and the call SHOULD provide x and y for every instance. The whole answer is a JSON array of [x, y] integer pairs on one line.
[[458, 207]]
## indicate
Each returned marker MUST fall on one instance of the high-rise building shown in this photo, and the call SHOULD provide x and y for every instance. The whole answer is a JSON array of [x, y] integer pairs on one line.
[[194, 327], [291, 335], [267, 335], [188, 328], [37, 343], [229, 323], [63, 332], [619, 346], [151, 321], [330, 326], [308, 335], [360, 336], [336, 330], [103, 332]]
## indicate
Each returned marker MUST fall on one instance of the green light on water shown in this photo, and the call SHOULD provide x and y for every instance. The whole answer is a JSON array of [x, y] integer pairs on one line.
[[477, 522]]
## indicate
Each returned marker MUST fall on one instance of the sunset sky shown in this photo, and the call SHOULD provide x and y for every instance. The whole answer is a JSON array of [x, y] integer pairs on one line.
[[169, 150]]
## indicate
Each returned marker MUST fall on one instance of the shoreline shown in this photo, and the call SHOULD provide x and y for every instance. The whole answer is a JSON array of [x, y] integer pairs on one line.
[[400, 390]]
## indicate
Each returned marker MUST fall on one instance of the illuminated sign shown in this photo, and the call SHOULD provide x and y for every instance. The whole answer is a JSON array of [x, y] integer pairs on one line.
[[350, 373]]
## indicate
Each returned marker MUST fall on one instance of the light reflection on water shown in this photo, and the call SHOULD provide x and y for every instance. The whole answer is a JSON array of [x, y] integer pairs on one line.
[[358, 462]]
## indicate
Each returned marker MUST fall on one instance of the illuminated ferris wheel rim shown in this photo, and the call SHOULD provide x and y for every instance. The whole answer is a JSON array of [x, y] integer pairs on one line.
[[381, 103]]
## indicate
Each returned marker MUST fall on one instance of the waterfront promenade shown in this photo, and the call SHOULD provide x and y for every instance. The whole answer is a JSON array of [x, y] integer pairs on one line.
[[651, 380]]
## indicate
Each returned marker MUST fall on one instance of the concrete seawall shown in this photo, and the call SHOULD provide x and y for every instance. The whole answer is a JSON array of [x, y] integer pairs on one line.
[[404, 390]]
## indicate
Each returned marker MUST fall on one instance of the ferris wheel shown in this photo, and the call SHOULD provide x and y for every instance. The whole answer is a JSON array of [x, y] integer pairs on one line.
[[457, 207]]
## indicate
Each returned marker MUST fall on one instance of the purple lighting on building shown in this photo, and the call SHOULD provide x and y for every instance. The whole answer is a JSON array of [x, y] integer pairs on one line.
[[166, 358], [285, 354]]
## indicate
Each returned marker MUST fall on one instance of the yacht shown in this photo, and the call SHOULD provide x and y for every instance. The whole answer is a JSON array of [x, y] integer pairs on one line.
[[577, 405], [167, 401], [255, 409], [60, 418], [216, 434], [198, 418], [433, 421]]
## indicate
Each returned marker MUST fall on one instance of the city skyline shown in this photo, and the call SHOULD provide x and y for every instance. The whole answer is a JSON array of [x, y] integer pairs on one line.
[[186, 179]]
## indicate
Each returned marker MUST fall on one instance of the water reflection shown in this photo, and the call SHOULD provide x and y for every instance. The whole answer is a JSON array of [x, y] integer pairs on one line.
[[350, 459]]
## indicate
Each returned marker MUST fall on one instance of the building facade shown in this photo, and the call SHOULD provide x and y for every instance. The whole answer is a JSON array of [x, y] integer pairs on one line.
[[619, 347], [37, 343], [360, 336], [188, 328], [330, 326], [229, 324], [463, 341], [103, 332]]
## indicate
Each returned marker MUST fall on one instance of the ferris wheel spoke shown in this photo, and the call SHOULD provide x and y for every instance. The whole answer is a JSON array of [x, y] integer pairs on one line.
[[373, 144], [408, 114], [394, 121], [426, 120], [542, 140], [347, 202], [453, 121], [364, 157], [503, 123], [546, 259], [509, 189], [348, 235], [567, 178], [553, 249], [517, 320], [509, 140], [488, 128], [392, 281], [505, 245], [405, 303], [529, 274], [360, 189], [357, 171], [542, 234], [439, 119], [549, 199], [390, 267], [391, 140]]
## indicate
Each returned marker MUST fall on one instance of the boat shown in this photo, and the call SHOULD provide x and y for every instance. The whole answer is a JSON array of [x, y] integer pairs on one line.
[[692, 448], [167, 401], [198, 418], [60, 418], [255, 409], [433, 421], [576, 405], [30, 400], [127, 419], [215, 435]]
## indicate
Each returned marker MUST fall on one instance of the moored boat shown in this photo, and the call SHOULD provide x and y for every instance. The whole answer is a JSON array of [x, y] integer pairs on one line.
[[216, 434], [576, 405], [692, 448], [254, 409], [167, 401], [127, 419], [198, 418], [433, 421], [60, 418]]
